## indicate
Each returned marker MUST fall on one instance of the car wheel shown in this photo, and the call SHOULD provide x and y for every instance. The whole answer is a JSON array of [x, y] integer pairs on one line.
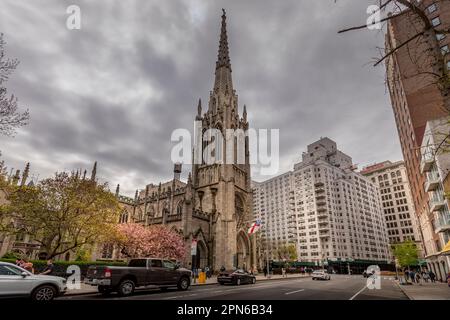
[[183, 284], [104, 290], [126, 288], [44, 293], [221, 283], [163, 289], [253, 280], [314, 278]]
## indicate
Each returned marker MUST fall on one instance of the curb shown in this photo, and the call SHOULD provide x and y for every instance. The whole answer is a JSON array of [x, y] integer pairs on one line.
[[72, 294], [404, 292]]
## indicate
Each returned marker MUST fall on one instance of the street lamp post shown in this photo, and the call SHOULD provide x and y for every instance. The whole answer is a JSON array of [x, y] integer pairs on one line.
[[267, 246]]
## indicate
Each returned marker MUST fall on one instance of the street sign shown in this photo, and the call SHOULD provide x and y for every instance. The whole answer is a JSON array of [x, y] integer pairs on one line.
[[194, 247]]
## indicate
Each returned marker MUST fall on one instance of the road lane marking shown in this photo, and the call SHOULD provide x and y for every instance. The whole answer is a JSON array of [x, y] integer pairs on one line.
[[356, 294], [295, 291]]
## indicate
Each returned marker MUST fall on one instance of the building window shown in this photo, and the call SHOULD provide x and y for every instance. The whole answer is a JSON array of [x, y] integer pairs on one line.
[[436, 22], [432, 8], [440, 36], [445, 50]]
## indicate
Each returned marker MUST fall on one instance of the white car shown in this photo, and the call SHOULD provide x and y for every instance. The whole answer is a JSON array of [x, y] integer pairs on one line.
[[17, 282], [321, 274]]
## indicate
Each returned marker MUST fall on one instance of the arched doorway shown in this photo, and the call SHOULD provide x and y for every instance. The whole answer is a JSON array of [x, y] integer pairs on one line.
[[243, 251], [201, 258]]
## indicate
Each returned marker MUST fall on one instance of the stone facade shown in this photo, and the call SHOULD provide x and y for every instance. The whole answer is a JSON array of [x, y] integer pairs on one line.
[[214, 206], [398, 207]]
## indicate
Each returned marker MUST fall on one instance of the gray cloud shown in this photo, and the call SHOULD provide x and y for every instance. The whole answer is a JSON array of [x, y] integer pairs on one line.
[[115, 90]]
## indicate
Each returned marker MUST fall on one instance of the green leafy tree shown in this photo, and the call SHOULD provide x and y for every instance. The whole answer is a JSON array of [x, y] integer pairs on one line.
[[288, 252], [62, 213], [406, 253]]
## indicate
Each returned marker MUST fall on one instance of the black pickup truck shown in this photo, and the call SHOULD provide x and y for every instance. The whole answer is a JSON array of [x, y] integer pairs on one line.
[[148, 272]]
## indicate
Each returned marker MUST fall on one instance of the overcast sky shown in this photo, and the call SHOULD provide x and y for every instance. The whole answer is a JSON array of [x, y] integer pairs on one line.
[[116, 89]]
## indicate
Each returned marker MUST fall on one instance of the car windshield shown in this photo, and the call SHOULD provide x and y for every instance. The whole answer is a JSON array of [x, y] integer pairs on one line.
[[6, 270]]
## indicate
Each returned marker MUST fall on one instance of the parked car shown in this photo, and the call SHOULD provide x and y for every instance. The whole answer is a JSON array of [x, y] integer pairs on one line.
[[321, 274], [145, 272], [16, 282], [236, 277]]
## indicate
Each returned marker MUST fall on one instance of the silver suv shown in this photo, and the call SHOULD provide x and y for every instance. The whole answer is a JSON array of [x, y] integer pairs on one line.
[[17, 282]]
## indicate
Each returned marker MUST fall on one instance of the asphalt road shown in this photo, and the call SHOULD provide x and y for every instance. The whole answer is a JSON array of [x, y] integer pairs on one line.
[[340, 287]]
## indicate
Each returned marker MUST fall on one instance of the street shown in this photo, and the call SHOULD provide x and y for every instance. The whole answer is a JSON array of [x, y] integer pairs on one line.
[[340, 287]]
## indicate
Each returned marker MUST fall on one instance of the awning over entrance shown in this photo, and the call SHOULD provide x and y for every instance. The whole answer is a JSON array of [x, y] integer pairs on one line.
[[446, 249]]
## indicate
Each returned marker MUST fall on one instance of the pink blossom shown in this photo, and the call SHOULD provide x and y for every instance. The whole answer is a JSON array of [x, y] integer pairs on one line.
[[135, 240]]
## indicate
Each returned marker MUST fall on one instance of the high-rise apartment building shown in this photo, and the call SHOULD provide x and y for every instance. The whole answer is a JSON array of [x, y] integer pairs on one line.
[[398, 207], [435, 165], [416, 97], [330, 212]]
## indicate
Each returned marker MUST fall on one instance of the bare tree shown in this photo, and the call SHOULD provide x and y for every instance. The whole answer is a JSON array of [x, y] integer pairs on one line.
[[429, 60], [10, 117]]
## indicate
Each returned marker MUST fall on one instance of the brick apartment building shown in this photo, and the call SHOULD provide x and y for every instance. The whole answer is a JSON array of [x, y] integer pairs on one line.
[[416, 98]]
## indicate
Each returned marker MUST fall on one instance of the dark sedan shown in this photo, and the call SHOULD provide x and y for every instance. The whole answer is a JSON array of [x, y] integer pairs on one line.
[[236, 277]]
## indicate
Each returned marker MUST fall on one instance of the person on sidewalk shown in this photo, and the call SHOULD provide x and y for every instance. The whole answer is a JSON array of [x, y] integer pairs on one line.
[[432, 276], [208, 272], [265, 271], [283, 272], [48, 270], [28, 265], [412, 276], [406, 276], [425, 276], [418, 278]]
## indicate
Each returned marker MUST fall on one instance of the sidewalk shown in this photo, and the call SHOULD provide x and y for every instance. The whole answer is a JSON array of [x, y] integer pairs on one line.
[[426, 291], [87, 289]]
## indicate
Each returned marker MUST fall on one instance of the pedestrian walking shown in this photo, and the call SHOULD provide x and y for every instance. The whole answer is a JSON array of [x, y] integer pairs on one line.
[[425, 276], [412, 276], [283, 272], [406, 275], [418, 278], [222, 269], [208, 272], [265, 271], [432, 276]]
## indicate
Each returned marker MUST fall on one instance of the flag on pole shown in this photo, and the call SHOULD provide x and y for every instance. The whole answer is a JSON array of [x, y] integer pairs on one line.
[[254, 227]]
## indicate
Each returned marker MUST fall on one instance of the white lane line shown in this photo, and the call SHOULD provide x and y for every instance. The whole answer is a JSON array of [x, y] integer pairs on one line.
[[356, 294], [176, 297], [295, 291]]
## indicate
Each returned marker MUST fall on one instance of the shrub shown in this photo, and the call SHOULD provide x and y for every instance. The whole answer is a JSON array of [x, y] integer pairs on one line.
[[10, 255], [61, 266]]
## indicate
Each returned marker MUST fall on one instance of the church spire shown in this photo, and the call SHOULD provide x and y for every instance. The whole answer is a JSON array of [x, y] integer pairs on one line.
[[223, 81], [223, 58], [94, 171], [25, 174]]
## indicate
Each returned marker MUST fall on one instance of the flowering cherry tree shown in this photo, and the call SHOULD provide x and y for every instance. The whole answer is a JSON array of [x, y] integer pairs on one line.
[[135, 240]]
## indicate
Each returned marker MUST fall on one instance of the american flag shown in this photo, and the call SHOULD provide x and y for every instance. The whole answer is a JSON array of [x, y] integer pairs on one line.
[[254, 227]]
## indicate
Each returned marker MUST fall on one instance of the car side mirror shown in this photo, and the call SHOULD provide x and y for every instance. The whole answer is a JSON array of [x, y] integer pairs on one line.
[[24, 274]]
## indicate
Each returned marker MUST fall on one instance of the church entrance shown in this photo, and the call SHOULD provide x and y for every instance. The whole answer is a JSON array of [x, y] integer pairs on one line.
[[243, 252], [200, 260]]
